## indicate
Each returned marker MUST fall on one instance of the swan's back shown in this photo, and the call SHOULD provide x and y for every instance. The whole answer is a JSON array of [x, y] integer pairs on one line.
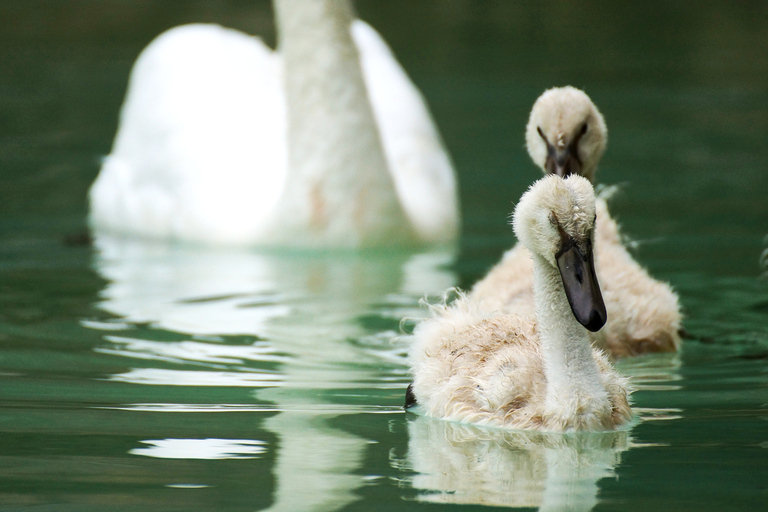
[[472, 366], [201, 152], [508, 286], [419, 164], [643, 313], [486, 367], [204, 113]]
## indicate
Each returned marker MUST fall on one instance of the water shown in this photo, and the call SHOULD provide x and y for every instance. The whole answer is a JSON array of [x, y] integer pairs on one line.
[[138, 377]]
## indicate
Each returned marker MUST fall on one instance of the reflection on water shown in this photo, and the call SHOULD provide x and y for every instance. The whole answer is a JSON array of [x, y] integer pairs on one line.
[[202, 449], [291, 326], [653, 372], [229, 292], [468, 464], [229, 342], [459, 463], [308, 334], [316, 466], [191, 351], [162, 377]]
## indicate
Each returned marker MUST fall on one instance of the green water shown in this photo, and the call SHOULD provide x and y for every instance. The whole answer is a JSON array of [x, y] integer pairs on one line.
[[138, 377]]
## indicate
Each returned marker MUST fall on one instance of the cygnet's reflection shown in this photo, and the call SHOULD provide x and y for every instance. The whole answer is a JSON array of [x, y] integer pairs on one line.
[[460, 463], [307, 312]]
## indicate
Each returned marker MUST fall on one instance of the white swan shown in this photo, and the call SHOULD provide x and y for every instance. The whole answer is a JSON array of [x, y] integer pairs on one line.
[[324, 144], [529, 372], [566, 134]]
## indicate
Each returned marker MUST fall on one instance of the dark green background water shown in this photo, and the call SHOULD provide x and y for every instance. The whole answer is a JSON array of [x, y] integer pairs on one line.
[[151, 378]]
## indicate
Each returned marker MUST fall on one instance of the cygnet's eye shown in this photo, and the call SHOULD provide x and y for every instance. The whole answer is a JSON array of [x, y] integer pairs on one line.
[[541, 134], [553, 219], [584, 128]]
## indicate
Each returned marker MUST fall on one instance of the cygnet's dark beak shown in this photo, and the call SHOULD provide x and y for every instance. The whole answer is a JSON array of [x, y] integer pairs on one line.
[[563, 163], [577, 270]]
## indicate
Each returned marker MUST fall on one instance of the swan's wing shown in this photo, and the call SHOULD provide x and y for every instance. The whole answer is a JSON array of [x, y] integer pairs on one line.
[[200, 150], [421, 168]]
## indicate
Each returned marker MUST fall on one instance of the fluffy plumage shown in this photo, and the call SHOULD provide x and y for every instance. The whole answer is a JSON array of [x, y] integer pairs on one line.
[[326, 143], [514, 369], [564, 130], [643, 313]]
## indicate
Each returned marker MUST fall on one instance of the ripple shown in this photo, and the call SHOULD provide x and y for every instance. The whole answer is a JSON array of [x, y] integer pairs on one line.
[[162, 377], [218, 408], [208, 449], [658, 414], [191, 351], [107, 325]]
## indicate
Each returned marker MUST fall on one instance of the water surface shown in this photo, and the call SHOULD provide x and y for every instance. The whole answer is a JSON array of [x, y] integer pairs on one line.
[[145, 377]]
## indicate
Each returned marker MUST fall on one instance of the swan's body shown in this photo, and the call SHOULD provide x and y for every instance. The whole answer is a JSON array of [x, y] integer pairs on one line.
[[224, 142], [527, 371], [643, 313]]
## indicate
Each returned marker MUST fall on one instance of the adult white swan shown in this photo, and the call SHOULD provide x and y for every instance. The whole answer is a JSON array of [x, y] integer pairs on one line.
[[326, 143]]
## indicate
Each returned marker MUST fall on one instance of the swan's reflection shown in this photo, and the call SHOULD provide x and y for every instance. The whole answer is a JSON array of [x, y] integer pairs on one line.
[[201, 448], [459, 463], [303, 317]]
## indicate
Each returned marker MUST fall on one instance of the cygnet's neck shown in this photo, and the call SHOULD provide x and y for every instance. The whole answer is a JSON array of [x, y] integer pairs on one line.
[[338, 187], [576, 396]]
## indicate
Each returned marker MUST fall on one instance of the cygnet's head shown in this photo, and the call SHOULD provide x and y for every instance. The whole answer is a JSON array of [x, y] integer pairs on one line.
[[555, 219], [566, 134]]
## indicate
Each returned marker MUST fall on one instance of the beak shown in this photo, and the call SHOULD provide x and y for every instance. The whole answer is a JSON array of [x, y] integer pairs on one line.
[[581, 287], [563, 163]]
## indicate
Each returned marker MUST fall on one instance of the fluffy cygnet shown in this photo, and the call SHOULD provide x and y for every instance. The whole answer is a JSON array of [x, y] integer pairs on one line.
[[524, 371]]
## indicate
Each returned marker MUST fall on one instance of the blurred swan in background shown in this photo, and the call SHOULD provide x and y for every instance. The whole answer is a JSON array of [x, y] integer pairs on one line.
[[326, 143], [290, 326], [566, 134], [519, 371], [466, 464]]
